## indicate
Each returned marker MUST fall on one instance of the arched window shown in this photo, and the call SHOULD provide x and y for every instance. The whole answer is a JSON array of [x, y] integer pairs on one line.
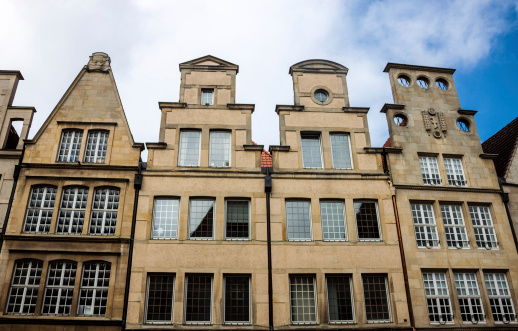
[[70, 146], [105, 205], [59, 288], [25, 282], [72, 210], [96, 146], [93, 292], [39, 210]]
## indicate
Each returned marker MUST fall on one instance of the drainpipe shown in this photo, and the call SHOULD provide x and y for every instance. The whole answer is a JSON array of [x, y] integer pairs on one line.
[[505, 200], [137, 184], [268, 191]]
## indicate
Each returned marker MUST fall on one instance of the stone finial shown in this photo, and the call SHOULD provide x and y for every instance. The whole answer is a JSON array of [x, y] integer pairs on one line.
[[99, 61]]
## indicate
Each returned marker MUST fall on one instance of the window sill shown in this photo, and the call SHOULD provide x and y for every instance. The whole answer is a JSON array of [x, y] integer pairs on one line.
[[300, 240], [379, 322], [201, 239], [304, 323], [158, 323], [342, 322], [370, 240], [164, 238], [238, 239], [237, 323]]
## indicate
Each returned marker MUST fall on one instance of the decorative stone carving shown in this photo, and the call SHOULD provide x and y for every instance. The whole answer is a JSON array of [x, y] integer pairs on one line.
[[427, 120], [433, 121], [99, 61]]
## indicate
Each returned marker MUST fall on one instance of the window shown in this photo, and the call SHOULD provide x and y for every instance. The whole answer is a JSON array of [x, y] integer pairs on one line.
[[455, 172], [442, 84], [72, 211], [207, 97], [201, 219], [456, 236], [463, 124], [376, 298], [237, 299], [339, 297], [367, 220], [23, 292], [198, 299], [39, 211], [321, 95], [237, 219], [298, 220], [96, 146], [483, 227], [437, 297], [341, 151], [220, 148], [333, 220], [165, 218], [104, 211], [469, 298], [404, 80], [70, 146], [303, 300], [160, 294], [311, 152], [93, 293], [189, 154], [424, 226], [59, 289], [500, 298], [423, 82], [430, 170]]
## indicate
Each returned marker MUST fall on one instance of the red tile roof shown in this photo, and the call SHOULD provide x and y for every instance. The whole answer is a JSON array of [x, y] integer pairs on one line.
[[266, 158], [503, 143], [387, 143]]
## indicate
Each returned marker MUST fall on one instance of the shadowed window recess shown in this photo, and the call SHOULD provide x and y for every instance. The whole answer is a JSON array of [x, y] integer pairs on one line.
[[40, 209], [339, 297], [237, 299], [160, 295], [201, 219], [303, 300], [237, 219], [377, 306], [483, 227], [500, 298], [198, 299], [367, 220]]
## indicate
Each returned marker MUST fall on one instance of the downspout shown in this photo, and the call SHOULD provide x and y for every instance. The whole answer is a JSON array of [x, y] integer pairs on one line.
[[505, 200], [16, 174], [137, 184], [268, 191]]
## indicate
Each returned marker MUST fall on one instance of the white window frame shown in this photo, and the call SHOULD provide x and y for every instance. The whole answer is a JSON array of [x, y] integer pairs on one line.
[[41, 208], [59, 287], [104, 211], [249, 299], [94, 288], [229, 148], [310, 220], [380, 232], [96, 157], [429, 228], [146, 321], [67, 155], [461, 278], [211, 300], [213, 219], [389, 320], [455, 171], [475, 210], [437, 297], [73, 210], [315, 297], [249, 220], [352, 300], [181, 163], [447, 214], [344, 220], [25, 286], [430, 168], [307, 134], [207, 90], [154, 219], [490, 277], [349, 147]]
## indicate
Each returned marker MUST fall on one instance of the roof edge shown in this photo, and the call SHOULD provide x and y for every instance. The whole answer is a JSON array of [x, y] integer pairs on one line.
[[391, 65]]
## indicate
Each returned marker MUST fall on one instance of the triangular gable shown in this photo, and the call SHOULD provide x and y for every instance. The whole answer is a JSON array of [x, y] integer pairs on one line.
[[209, 61], [318, 65]]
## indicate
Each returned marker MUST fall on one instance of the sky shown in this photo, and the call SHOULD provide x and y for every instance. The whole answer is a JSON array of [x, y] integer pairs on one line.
[[50, 41]]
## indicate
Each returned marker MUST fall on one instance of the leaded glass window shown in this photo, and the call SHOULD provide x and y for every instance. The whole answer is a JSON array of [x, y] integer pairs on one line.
[[189, 153], [454, 171], [298, 220], [198, 299], [471, 309], [377, 305], [207, 97], [70, 146], [237, 299], [483, 227], [333, 220], [72, 210], [454, 226], [40, 209], [160, 295], [93, 292], [437, 297], [201, 219], [341, 151], [237, 219], [104, 211], [23, 291], [220, 148], [303, 300], [311, 151], [500, 297], [59, 289], [96, 146], [339, 297], [165, 218], [367, 220], [425, 226], [430, 170]]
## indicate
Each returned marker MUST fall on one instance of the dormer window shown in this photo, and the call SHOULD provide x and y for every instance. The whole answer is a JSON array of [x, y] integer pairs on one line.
[[96, 146], [207, 97], [70, 146]]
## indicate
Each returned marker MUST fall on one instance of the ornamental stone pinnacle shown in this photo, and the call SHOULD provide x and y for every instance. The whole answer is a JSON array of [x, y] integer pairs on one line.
[[99, 61]]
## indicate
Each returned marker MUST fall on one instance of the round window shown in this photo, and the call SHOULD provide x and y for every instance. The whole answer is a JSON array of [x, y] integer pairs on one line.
[[321, 95], [404, 80], [463, 124], [400, 120], [442, 84], [423, 82]]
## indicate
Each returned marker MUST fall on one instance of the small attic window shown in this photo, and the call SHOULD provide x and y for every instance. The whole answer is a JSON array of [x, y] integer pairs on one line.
[[321, 95], [403, 80], [442, 84], [400, 120], [423, 82], [463, 124], [13, 136], [207, 97]]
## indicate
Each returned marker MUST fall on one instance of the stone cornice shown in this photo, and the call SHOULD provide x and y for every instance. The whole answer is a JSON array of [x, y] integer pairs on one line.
[[279, 148], [488, 156], [156, 145], [417, 68], [392, 150], [12, 72], [241, 106], [250, 147], [279, 108], [388, 106], [22, 108], [446, 188], [87, 123], [162, 105], [361, 110], [466, 112], [67, 238], [77, 166]]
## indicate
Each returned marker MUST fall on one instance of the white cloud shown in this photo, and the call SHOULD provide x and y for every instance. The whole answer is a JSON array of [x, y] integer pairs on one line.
[[147, 40]]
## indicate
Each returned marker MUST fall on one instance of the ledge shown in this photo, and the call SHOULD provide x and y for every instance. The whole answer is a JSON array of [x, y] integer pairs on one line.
[[67, 238], [63, 251], [279, 148], [388, 106], [87, 123], [392, 150], [250, 147], [417, 68], [138, 145], [17, 73], [162, 105], [446, 188], [279, 108], [82, 166], [466, 112], [488, 156], [61, 320], [22, 108], [241, 106], [361, 110], [158, 145]]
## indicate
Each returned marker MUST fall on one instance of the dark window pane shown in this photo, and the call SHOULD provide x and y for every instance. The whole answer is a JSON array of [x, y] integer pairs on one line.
[[198, 298], [237, 219], [201, 218], [237, 299], [298, 220], [376, 301], [23, 292], [160, 298], [303, 299], [367, 220], [339, 297]]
